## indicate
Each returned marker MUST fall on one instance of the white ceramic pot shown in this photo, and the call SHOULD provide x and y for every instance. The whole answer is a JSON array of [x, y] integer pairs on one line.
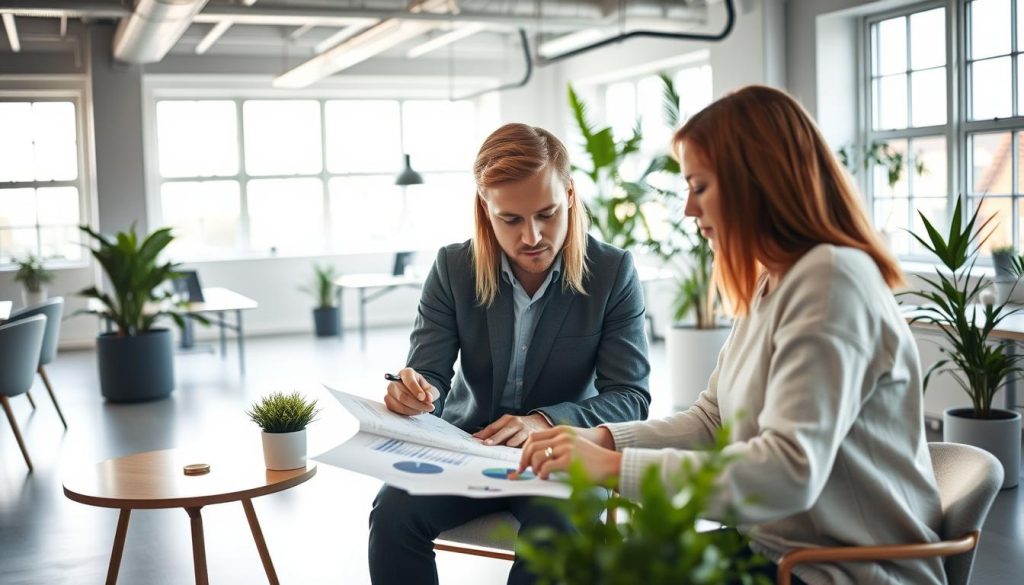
[[33, 298], [284, 450], [998, 436], [692, 354]]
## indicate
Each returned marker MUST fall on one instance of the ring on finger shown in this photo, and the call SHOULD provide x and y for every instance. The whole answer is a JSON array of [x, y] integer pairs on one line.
[[549, 453]]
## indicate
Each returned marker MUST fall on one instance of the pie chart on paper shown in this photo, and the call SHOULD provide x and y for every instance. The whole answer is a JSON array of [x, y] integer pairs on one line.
[[417, 467], [508, 474]]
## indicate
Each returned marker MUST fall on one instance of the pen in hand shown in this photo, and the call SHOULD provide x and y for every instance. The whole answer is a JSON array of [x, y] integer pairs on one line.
[[428, 397]]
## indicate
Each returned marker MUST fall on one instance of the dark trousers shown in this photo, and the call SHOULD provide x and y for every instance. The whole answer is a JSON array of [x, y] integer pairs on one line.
[[403, 529]]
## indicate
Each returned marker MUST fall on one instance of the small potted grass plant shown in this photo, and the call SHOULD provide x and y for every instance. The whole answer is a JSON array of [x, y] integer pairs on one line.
[[283, 418], [34, 277]]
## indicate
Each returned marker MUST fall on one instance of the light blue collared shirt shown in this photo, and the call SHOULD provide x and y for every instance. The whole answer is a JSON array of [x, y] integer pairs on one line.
[[526, 313]]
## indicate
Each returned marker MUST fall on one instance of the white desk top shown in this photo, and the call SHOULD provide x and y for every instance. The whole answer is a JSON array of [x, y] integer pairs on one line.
[[5, 309], [378, 280], [216, 299]]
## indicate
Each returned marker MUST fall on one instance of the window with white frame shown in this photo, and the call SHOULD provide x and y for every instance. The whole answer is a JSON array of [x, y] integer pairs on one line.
[[41, 184], [307, 176], [974, 148]]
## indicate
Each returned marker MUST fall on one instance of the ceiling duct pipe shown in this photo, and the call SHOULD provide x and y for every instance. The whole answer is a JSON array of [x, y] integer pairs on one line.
[[153, 28]]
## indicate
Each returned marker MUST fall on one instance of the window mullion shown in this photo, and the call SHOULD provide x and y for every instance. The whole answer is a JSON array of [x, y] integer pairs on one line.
[[243, 179]]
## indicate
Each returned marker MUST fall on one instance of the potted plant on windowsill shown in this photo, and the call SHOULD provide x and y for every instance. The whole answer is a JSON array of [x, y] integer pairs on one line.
[[136, 359], [283, 418], [1006, 280], [33, 276], [326, 314], [979, 365]]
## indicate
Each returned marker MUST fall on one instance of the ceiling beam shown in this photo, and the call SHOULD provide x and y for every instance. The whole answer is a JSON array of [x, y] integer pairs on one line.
[[12, 31]]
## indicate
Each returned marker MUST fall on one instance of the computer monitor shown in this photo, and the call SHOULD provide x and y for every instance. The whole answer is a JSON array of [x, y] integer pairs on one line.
[[402, 259], [188, 286]]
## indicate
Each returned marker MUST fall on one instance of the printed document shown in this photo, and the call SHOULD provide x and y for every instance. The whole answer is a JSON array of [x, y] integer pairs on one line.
[[426, 455]]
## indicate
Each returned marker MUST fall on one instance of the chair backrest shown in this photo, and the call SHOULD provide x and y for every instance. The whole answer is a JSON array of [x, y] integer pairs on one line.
[[54, 311], [20, 343], [968, 479]]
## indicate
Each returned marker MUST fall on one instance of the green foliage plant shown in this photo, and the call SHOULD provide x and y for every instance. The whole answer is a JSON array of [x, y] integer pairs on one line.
[[323, 287], [979, 366], [32, 274], [283, 413], [137, 277], [656, 543], [616, 209]]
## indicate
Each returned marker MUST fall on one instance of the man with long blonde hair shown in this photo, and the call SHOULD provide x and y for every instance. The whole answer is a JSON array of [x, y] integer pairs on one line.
[[547, 325]]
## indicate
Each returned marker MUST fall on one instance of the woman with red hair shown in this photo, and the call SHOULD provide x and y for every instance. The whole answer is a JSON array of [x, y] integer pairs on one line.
[[820, 378]]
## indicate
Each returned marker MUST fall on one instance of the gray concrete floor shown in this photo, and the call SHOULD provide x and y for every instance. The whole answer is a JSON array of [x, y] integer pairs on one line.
[[316, 532]]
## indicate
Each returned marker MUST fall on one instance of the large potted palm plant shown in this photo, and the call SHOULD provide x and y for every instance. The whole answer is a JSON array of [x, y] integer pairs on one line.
[[136, 360], [979, 365]]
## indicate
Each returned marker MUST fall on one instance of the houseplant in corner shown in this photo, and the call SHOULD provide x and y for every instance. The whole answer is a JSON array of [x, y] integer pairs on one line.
[[326, 314], [979, 365], [283, 418], [34, 277], [136, 359]]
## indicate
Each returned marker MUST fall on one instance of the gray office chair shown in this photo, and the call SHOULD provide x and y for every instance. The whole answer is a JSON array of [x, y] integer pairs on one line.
[[20, 343], [54, 310], [968, 479], [478, 537]]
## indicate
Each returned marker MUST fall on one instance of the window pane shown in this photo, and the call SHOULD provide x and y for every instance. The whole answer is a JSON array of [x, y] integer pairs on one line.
[[204, 215], [17, 208], [935, 209], [991, 172], [17, 243], [197, 139], [891, 102], [58, 205], [282, 137], [931, 152], [990, 28], [439, 135], [62, 241], [655, 129], [695, 90], [16, 153], [892, 46], [928, 89], [880, 175], [1020, 163], [355, 202], [620, 109], [1020, 84], [285, 215], [363, 136], [990, 89], [56, 151], [892, 216], [1001, 227], [443, 199], [928, 39]]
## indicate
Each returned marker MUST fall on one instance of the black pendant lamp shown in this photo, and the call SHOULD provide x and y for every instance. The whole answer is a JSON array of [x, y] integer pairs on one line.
[[408, 176]]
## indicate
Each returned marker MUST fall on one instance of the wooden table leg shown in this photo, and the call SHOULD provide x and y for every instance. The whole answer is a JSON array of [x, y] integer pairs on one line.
[[198, 545], [261, 544], [115, 553]]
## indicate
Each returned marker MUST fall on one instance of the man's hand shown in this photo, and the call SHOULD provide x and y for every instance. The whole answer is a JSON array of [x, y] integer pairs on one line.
[[512, 430], [412, 396]]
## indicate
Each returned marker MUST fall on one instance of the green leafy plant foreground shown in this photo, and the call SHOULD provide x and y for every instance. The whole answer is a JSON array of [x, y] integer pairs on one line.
[[283, 413], [656, 541], [979, 366]]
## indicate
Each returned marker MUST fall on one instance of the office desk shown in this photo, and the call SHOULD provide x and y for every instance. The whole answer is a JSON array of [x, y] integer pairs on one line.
[[5, 309], [217, 302], [370, 281], [1009, 331]]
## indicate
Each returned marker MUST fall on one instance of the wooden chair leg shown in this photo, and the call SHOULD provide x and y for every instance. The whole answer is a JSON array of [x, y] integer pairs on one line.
[[17, 433], [198, 545], [53, 397], [261, 544], [115, 554], [30, 400]]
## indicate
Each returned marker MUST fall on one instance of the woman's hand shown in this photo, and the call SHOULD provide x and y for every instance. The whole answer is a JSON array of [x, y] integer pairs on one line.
[[554, 449]]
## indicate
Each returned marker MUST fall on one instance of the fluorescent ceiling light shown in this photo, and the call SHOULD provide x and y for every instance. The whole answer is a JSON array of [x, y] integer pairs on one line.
[[12, 31], [363, 45], [341, 35], [148, 33], [460, 32], [211, 37]]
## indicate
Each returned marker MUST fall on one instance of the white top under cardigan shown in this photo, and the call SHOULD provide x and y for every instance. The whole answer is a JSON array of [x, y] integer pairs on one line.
[[821, 383]]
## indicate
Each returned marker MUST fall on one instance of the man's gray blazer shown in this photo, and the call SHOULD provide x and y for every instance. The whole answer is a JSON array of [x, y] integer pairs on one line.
[[587, 363]]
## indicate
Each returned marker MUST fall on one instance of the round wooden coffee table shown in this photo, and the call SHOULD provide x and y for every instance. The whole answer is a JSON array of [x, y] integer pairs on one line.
[[156, 479]]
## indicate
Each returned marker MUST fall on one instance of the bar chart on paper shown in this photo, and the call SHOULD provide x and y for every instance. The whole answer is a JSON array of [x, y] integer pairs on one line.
[[399, 447]]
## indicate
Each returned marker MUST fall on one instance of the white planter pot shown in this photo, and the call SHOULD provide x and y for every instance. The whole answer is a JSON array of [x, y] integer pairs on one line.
[[31, 299], [692, 354], [998, 436], [284, 450]]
